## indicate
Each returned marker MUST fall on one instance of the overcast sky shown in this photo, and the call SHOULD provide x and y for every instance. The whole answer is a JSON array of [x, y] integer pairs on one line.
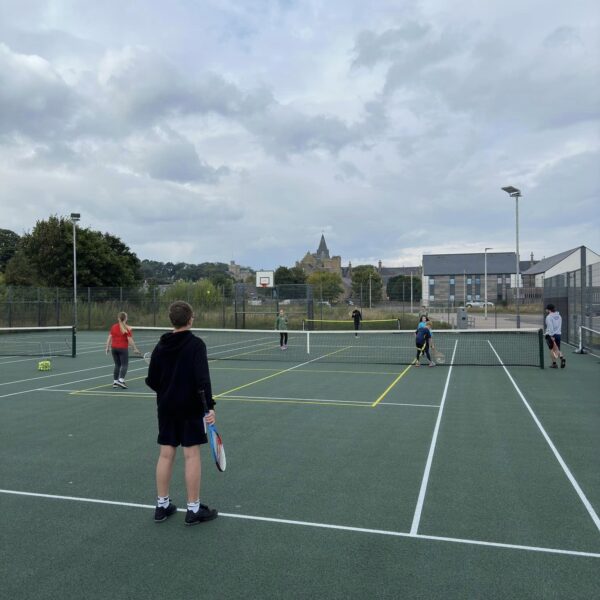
[[216, 130]]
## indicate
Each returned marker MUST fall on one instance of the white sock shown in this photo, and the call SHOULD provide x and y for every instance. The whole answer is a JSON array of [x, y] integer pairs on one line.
[[194, 506], [121, 380], [163, 501]]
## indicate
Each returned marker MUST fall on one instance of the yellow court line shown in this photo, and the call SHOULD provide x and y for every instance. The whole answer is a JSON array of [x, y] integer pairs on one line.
[[235, 389], [112, 394], [98, 387], [268, 401], [391, 386]]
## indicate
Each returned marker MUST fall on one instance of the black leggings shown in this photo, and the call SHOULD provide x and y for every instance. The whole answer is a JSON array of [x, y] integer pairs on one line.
[[421, 351], [283, 338], [121, 358]]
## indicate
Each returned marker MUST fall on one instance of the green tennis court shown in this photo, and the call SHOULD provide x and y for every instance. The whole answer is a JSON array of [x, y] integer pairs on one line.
[[345, 479]]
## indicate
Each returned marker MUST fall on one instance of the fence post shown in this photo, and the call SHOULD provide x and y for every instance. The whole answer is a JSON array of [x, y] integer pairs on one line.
[[57, 302], [154, 307], [9, 298], [223, 321], [39, 308], [89, 308]]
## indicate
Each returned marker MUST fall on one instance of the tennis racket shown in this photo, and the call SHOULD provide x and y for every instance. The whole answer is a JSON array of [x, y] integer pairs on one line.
[[147, 357], [439, 357], [214, 439], [552, 346]]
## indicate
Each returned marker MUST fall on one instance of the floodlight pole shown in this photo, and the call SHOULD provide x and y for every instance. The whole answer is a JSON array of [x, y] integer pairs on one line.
[[515, 193], [370, 297], [485, 281], [74, 219], [411, 292]]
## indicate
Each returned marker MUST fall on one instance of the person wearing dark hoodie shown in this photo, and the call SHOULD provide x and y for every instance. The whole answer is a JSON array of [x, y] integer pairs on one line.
[[178, 373]]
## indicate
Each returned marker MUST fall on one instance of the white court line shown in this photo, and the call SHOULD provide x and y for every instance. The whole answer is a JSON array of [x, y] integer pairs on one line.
[[556, 453], [37, 358], [400, 534], [419, 509], [360, 402], [64, 383]]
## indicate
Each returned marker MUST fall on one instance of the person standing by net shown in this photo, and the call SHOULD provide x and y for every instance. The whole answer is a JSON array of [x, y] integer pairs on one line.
[[553, 335], [357, 318], [423, 341], [281, 325], [179, 374], [119, 339]]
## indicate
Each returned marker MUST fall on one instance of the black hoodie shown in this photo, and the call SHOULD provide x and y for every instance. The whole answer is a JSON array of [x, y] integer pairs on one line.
[[178, 371]]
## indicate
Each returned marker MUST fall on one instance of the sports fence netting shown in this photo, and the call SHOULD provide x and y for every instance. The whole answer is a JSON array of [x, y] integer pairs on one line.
[[511, 347], [37, 341]]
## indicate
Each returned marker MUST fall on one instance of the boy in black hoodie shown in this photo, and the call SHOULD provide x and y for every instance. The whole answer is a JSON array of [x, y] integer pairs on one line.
[[178, 372]]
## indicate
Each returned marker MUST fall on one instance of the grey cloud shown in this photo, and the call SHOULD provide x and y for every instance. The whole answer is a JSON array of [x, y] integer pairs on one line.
[[348, 171], [34, 99], [177, 160], [371, 48]]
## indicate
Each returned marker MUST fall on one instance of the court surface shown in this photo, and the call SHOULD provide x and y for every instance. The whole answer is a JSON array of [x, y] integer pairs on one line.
[[343, 481]]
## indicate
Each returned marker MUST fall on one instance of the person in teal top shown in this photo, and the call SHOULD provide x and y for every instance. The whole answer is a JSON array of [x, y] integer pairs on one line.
[[281, 325]]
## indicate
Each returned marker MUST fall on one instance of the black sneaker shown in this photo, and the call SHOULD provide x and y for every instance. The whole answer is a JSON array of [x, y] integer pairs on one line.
[[162, 514], [204, 514], [121, 384], [563, 362], [554, 366], [115, 385]]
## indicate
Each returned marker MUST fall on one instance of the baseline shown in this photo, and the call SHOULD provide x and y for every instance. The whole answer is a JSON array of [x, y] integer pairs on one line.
[[385, 532]]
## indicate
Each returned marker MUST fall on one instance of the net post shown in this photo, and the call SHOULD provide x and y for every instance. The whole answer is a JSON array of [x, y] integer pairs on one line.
[[73, 343], [308, 342], [541, 346]]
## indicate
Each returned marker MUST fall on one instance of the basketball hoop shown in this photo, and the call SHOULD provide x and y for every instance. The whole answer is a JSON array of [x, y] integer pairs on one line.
[[264, 285]]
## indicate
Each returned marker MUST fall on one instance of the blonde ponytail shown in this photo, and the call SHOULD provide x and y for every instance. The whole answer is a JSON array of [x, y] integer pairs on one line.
[[122, 316]]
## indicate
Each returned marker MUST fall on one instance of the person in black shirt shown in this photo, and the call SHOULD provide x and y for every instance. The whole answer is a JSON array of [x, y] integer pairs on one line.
[[178, 372], [422, 341], [357, 318]]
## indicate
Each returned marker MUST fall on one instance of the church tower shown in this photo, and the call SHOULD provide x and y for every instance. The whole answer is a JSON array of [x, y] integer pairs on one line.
[[322, 250]]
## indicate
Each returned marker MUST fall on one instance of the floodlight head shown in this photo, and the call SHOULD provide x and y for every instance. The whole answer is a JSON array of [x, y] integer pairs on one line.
[[75, 216], [512, 191], [486, 249]]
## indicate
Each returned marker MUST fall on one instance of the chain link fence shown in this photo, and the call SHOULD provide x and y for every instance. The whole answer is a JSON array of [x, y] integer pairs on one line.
[[576, 295]]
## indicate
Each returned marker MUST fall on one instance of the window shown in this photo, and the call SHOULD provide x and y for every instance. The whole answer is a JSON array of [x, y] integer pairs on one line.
[[477, 297], [432, 282], [508, 279], [468, 281], [432, 298], [452, 280], [500, 280], [451, 297], [469, 297], [477, 281]]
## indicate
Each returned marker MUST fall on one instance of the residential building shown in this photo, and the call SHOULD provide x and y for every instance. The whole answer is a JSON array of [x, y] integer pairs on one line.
[[457, 279]]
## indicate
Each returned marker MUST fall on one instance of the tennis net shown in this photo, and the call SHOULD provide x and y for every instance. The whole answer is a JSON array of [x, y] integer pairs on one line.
[[589, 341], [511, 347], [37, 341], [347, 324]]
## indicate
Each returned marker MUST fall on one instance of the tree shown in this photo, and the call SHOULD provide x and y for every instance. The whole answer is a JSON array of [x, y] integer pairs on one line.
[[283, 275], [398, 288], [8, 246], [366, 281], [326, 286], [44, 257]]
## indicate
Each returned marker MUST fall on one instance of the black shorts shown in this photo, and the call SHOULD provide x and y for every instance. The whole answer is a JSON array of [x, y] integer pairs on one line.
[[551, 343], [181, 431]]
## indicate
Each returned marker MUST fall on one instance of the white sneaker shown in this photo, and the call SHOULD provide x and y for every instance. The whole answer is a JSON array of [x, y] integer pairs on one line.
[[121, 384]]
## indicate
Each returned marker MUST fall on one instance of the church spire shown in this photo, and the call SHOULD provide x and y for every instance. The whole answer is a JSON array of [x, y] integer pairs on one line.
[[322, 250]]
